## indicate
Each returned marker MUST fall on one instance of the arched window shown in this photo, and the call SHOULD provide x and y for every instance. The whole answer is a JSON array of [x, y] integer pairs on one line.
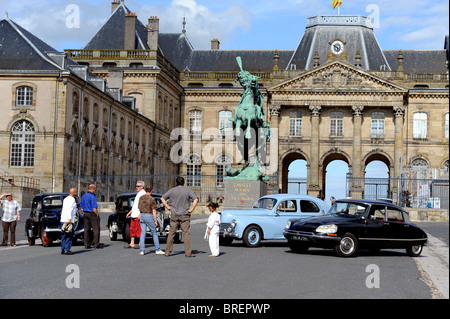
[[22, 144], [421, 167]]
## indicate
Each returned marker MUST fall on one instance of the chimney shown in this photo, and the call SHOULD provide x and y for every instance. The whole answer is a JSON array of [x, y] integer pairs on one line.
[[153, 33], [129, 41], [215, 44], [114, 5]]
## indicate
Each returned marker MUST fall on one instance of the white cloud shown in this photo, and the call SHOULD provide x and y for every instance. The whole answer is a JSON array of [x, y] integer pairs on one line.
[[202, 23]]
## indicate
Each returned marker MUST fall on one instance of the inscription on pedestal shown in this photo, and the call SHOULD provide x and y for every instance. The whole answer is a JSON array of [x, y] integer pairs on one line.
[[243, 194]]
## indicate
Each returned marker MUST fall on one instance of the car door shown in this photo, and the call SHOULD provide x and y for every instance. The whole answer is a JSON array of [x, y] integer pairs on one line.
[[309, 208], [285, 210], [400, 232], [376, 230]]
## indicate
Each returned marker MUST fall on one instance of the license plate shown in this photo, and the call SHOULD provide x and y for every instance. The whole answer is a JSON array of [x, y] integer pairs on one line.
[[301, 238]]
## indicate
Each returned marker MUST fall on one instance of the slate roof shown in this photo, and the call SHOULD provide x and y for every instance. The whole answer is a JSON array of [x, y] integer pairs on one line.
[[111, 35], [21, 50], [317, 37], [419, 61], [360, 38]]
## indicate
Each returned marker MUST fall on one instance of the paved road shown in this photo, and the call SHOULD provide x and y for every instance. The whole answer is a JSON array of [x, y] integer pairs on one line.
[[268, 272]]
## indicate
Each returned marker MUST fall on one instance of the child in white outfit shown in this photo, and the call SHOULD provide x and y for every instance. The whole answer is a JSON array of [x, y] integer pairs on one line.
[[213, 229]]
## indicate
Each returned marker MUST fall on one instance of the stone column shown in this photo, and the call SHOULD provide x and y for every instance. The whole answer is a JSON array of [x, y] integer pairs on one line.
[[274, 150], [358, 185], [399, 115], [314, 185]]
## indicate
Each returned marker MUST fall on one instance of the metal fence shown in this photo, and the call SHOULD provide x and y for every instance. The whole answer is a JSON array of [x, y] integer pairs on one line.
[[405, 192], [206, 187]]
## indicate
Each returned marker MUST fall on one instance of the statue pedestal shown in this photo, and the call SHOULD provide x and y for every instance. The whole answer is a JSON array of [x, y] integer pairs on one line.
[[242, 194]]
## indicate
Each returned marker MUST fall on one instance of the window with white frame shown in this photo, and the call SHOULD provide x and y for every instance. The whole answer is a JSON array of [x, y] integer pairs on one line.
[[336, 124], [22, 144], [24, 95], [295, 124], [377, 125], [222, 164], [225, 125], [195, 123], [193, 171], [420, 125], [446, 125]]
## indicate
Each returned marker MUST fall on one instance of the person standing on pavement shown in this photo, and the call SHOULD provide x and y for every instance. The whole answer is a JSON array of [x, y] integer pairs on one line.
[[91, 219], [179, 198], [147, 218], [11, 215], [69, 210], [135, 227], [213, 230]]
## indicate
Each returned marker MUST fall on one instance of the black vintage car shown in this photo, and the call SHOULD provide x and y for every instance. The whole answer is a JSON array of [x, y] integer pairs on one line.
[[44, 220], [118, 223], [352, 224]]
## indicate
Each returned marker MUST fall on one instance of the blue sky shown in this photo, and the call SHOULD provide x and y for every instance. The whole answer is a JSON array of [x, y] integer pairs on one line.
[[239, 24]]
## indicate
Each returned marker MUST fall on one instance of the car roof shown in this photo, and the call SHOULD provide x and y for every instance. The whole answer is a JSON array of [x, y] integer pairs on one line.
[[290, 196], [135, 193], [50, 194], [368, 201]]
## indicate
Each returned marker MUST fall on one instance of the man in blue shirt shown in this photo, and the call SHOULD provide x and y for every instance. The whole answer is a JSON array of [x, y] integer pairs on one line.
[[91, 219]]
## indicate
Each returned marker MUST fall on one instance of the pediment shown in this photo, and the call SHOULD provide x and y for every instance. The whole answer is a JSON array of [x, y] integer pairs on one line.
[[337, 76]]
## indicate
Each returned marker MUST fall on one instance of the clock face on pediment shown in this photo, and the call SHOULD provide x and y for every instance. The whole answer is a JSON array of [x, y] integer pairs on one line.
[[337, 75]]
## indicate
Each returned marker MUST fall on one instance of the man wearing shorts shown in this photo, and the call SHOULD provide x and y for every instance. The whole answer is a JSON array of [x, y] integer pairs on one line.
[[135, 227]]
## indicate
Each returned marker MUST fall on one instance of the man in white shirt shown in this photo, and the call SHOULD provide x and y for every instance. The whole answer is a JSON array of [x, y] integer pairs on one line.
[[135, 226], [68, 213], [11, 215]]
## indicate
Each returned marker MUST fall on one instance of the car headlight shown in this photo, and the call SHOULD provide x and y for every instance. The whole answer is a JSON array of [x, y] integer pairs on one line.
[[327, 229], [288, 224], [232, 226]]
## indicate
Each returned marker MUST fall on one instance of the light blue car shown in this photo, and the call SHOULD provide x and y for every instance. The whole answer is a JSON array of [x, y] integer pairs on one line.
[[268, 217]]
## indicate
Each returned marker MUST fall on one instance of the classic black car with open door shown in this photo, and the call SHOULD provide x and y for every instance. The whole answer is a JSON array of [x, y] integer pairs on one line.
[[351, 224]]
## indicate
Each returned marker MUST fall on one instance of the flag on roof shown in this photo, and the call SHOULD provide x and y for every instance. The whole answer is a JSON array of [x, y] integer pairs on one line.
[[336, 3]]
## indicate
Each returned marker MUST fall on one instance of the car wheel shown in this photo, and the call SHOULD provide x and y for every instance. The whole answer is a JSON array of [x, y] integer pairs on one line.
[[126, 233], [297, 247], [46, 240], [31, 241], [225, 241], [112, 234], [347, 246], [178, 238], [414, 251], [252, 236]]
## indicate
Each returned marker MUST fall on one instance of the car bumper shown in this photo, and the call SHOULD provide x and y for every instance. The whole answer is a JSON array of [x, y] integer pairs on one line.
[[58, 230], [310, 237], [227, 231]]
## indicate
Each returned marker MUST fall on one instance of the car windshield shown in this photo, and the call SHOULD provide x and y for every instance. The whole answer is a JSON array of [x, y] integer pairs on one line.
[[52, 201], [348, 209], [266, 203]]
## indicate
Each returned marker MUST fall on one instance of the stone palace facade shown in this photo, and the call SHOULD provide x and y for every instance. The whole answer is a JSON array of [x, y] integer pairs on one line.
[[110, 108]]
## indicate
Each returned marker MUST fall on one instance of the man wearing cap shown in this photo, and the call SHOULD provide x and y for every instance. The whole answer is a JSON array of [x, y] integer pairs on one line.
[[11, 215], [68, 212]]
